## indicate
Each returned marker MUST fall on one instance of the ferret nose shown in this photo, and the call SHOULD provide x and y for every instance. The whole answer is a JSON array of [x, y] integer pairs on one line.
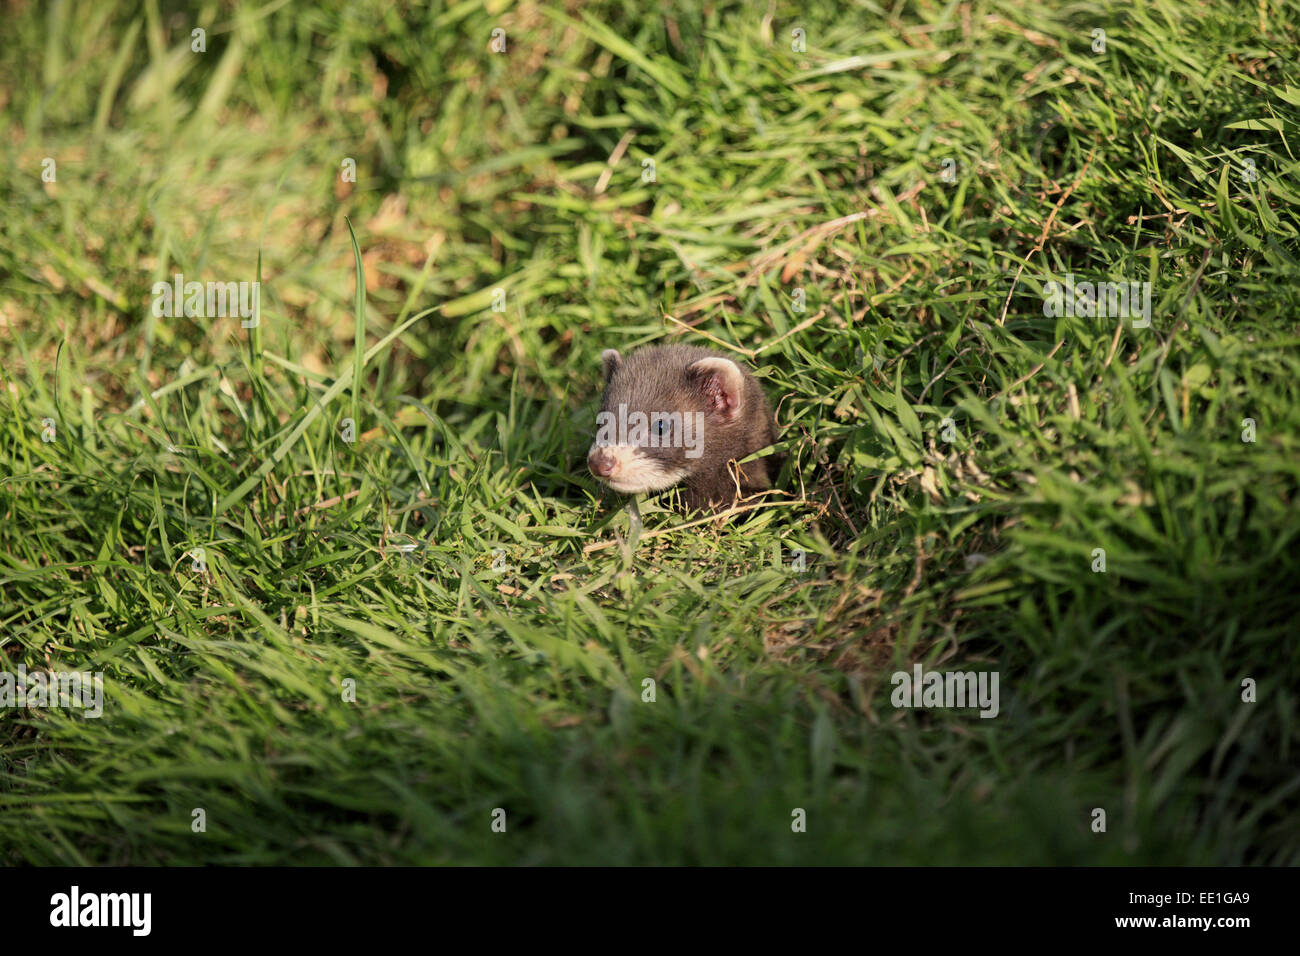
[[601, 463]]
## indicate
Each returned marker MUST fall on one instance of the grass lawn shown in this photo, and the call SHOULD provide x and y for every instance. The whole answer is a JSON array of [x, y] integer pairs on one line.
[[355, 598]]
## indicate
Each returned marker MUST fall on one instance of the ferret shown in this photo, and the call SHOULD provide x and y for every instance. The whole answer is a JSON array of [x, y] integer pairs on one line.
[[678, 414]]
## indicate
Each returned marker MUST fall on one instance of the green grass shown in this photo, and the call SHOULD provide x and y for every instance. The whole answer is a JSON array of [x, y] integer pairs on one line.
[[968, 547]]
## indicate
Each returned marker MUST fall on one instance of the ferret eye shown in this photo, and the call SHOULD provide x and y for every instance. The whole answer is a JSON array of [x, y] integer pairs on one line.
[[661, 426]]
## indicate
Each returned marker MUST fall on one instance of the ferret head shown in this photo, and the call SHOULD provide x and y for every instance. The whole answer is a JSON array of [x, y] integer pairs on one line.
[[669, 412]]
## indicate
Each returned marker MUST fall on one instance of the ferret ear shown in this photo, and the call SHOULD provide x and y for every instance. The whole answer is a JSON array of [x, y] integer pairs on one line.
[[722, 383], [612, 362]]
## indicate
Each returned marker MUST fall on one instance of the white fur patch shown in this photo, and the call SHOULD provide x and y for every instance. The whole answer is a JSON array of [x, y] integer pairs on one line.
[[637, 474]]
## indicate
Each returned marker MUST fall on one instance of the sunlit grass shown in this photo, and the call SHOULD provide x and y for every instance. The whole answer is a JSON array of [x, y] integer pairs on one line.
[[956, 457]]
